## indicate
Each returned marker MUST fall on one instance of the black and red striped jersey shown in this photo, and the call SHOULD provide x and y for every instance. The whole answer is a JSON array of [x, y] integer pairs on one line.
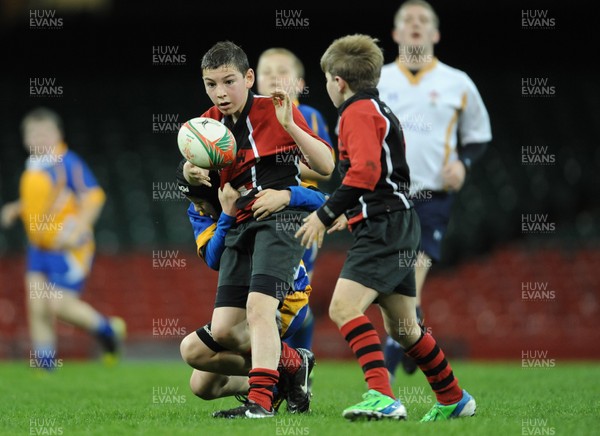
[[267, 156], [372, 156]]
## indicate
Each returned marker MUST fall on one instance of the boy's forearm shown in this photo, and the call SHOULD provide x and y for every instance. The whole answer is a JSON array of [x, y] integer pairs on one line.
[[307, 174], [317, 154]]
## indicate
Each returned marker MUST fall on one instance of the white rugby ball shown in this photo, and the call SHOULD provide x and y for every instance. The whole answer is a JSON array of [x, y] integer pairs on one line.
[[207, 143]]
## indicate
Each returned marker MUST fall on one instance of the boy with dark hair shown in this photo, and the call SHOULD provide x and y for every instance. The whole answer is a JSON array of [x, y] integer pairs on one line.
[[219, 372], [272, 138]]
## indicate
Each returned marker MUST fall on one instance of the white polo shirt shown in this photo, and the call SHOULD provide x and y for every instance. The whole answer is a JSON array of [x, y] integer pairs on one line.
[[436, 107]]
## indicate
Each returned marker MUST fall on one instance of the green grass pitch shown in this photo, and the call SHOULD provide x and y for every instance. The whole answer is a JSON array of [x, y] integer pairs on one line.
[[153, 398]]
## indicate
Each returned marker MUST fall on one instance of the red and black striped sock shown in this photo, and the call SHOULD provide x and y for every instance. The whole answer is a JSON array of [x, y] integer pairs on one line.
[[433, 363], [290, 359], [262, 381], [364, 342]]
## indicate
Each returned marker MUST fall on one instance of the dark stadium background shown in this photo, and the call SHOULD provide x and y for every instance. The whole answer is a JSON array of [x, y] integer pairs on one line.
[[111, 90]]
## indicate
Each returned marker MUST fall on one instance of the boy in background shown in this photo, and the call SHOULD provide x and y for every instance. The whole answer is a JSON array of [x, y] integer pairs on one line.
[[60, 201]]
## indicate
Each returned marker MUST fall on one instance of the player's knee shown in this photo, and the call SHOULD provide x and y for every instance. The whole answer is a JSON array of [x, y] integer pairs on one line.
[[186, 348], [201, 389], [193, 352], [340, 312], [223, 335], [206, 395], [203, 392]]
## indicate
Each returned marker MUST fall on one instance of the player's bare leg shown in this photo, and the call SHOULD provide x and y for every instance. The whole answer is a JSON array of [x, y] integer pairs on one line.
[[204, 350], [110, 332], [41, 318], [265, 343], [394, 352], [349, 301], [70, 309], [199, 356], [266, 346], [264, 336], [230, 328], [41, 322], [210, 386], [400, 319], [421, 269]]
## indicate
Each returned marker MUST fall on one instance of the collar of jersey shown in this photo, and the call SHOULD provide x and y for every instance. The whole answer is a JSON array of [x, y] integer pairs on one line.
[[361, 95], [235, 127], [414, 79]]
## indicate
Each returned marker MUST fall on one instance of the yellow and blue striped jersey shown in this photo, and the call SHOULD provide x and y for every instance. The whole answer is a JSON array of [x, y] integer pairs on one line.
[[50, 190]]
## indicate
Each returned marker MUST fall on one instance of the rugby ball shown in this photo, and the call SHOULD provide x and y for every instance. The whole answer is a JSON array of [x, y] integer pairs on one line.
[[207, 143]]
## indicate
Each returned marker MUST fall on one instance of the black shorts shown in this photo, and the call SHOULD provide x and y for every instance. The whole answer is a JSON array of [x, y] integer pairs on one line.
[[260, 256], [434, 215], [384, 253]]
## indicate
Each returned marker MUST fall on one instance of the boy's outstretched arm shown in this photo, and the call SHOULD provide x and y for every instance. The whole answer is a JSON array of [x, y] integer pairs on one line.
[[317, 153]]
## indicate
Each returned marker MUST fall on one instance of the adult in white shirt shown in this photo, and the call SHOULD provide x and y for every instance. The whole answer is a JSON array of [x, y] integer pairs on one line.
[[446, 129]]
